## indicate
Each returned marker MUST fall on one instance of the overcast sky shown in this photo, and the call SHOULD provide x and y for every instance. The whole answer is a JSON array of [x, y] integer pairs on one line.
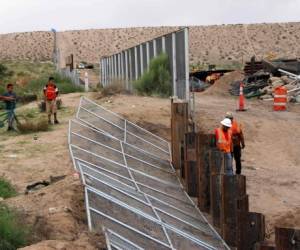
[[32, 15]]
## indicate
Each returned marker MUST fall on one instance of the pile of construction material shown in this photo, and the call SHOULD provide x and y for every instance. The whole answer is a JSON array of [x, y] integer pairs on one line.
[[263, 84]]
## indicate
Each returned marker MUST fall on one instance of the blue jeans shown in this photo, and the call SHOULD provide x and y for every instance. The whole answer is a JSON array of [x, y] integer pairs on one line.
[[228, 164]]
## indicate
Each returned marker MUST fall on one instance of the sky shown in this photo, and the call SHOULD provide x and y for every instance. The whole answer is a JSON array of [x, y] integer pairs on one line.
[[37, 15]]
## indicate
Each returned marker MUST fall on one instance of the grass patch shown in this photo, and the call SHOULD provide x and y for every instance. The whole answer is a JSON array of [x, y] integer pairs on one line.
[[6, 189], [157, 80], [31, 121], [31, 126], [13, 233], [31, 77]]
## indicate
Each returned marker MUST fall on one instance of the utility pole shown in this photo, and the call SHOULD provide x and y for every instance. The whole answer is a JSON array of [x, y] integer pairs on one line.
[[55, 59]]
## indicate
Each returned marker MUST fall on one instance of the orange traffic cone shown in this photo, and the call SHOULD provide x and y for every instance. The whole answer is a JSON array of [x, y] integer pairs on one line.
[[241, 98]]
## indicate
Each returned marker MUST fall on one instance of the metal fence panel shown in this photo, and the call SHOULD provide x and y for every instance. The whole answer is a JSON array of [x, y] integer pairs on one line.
[[175, 45], [132, 194]]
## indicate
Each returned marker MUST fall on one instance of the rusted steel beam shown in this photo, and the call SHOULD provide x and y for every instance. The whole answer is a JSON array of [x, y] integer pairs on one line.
[[234, 199], [229, 209], [215, 198], [216, 171], [204, 144], [264, 246], [191, 166], [287, 238], [250, 230], [179, 126]]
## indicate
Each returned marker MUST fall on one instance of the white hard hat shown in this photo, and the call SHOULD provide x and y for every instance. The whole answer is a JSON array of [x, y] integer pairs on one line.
[[226, 122]]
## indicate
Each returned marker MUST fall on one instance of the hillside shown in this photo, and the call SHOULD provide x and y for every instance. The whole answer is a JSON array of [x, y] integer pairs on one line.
[[213, 44]]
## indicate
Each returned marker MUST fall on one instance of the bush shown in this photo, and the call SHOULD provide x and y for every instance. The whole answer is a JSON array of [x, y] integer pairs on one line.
[[13, 232], [31, 126], [6, 189], [113, 89], [64, 85], [157, 80]]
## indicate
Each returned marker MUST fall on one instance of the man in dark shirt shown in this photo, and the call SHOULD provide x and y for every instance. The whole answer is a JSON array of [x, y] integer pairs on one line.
[[10, 103]]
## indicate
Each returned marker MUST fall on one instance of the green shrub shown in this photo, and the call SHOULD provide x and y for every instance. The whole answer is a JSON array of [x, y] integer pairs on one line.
[[6, 189], [64, 85], [13, 233], [157, 80]]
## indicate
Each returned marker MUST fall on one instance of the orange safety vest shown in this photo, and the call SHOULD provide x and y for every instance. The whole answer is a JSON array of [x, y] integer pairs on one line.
[[224, 144], [235, 128]]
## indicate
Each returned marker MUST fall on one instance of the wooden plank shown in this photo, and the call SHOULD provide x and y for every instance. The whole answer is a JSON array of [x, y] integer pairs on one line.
[[287, 238], [251, 230]]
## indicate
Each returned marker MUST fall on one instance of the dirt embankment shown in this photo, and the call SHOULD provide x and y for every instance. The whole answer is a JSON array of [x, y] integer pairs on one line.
[[219, 44]]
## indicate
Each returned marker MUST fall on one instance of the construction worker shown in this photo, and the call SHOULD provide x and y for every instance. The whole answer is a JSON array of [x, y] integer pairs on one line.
[[237, 141], [224, 143]]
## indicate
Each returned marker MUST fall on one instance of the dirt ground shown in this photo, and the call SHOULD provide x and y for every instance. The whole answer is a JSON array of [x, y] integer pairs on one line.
[[57, 214], [271, 159]]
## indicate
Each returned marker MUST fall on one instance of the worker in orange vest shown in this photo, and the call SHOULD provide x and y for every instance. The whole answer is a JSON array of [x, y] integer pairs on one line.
[[238, 142], [224, 143]]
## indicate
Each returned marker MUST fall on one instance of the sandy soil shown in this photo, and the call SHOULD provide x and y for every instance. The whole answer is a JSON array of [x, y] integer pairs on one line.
[[222, 44]]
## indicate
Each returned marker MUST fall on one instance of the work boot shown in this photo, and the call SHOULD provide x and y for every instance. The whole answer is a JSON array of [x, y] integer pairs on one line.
[[49, 122], [55, 119]]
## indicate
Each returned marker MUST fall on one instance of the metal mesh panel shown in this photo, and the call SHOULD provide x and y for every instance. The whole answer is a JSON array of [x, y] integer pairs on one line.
[[132, 63], [151, 50], [159, 46], [144, 57], [180, 65], [149, 137], [169, 51], [139, 73], [99, 220], [119, 242], [126, 216], [131, 187]]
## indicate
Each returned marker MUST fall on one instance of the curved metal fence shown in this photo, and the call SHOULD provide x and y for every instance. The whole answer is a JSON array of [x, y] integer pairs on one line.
[[132, 192]]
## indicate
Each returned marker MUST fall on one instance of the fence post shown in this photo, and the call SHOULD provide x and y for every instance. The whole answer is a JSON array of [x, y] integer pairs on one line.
[[287, 238], [179, 126], [190, 164], [216, 162], [250, 230], [174, 64], [86, 81], [203, 148]]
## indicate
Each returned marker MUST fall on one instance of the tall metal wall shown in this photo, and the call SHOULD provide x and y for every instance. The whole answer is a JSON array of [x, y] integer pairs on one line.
[[129, 65]]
